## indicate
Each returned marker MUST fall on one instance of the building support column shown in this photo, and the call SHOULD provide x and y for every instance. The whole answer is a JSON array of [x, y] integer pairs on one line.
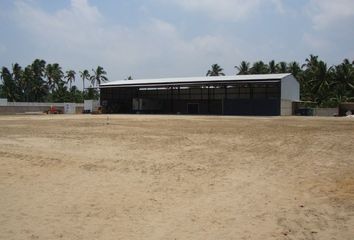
[[171, 99], [208, 99]]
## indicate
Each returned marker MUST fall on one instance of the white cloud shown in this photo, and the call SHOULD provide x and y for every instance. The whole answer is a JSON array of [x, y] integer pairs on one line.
[[332, 23], [234, 10], [69, 27], [279, 6], [316, 42], [79, 37], [221, 9], [326, 13], [82, 9]]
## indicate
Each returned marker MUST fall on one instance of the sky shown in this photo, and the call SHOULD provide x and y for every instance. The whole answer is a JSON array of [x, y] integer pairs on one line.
[[173, 38]]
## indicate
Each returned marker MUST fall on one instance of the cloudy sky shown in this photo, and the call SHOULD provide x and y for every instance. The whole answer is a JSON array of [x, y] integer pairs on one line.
[[171, 38]]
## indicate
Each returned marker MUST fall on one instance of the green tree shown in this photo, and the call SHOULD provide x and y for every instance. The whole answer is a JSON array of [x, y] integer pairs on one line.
[[58, 76], [49, 74], [60, 93], [321, 82], [259, 68], [244, 68], [75, 95], [344, 80], [27, 79], [306, 81], [92, 93], [2, 94], [295, 69], [39, 89], [216, 70], [282, 67], [70, 77], [17, 74], [8, 86], [85, 75], [99, 76], [272, 67], [311, 62]]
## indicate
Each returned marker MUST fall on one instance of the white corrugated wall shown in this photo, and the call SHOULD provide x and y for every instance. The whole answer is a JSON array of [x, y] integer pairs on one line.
[[290, 92]]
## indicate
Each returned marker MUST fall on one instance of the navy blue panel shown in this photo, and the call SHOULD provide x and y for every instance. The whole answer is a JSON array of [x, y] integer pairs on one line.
[[255, 107]]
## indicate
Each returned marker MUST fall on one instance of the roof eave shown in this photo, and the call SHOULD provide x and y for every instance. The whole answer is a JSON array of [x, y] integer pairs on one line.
[[168, 84]]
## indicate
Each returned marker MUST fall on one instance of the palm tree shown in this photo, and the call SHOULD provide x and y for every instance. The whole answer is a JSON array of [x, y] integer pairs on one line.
[[321, 82], [38, 88], [38, 92], [17, 77], [54, 75], [282, 67], [27, 80], [38, 69], [259, 68], [308, 79], [16, 71], [294, 69], [57, 75], [85, 75], [98, 76], [244, 68], [8, 87], [344, 78], [49, 76], [70, 76], [272, 67], [312, 61], [60, 94], [216, 70]]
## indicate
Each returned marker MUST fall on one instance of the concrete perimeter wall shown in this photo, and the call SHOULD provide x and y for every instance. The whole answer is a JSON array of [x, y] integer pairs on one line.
[[325, 112], [25, 107], [286, 107], [344, 107]]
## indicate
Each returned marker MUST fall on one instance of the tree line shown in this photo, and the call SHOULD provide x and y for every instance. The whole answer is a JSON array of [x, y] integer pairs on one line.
[[42, 82], [326, 86]]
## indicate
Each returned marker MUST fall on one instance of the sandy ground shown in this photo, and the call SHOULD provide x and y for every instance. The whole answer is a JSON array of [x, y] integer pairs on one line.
[[176, 177]]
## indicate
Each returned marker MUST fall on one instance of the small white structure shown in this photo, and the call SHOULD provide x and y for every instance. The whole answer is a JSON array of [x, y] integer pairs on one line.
[[91, 106], [69, 108], [3, 102], [290, 92]]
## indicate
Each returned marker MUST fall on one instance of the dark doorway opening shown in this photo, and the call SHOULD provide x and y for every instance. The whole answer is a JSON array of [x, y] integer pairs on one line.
[[193, 108]]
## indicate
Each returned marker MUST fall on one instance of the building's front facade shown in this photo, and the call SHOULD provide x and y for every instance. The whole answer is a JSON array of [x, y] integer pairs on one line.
[[262, 95]]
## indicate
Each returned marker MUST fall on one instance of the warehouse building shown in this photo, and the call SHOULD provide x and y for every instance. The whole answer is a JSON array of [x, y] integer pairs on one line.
[[259, 95]]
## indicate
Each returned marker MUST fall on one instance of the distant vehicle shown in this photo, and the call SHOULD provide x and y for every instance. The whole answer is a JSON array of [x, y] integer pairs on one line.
[[53, 110]]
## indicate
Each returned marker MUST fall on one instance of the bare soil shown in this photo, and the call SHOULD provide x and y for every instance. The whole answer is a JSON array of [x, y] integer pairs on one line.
[[176, 177]]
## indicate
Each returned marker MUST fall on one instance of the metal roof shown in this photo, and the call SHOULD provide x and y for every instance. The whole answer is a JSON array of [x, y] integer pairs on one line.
[[195, 80]]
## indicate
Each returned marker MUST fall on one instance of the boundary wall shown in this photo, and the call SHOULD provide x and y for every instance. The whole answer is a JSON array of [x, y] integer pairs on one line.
[[34, 107]]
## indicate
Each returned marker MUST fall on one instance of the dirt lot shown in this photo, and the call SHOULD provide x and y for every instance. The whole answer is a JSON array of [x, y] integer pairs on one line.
[[176, 177]]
